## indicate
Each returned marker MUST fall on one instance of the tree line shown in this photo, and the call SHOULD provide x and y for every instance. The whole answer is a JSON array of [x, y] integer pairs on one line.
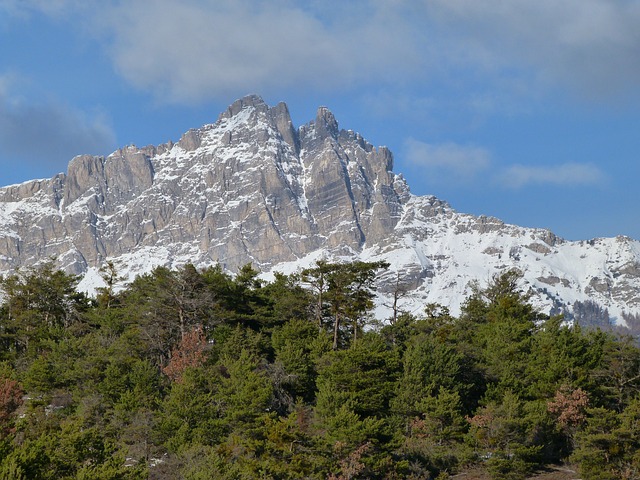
[[196, 374]]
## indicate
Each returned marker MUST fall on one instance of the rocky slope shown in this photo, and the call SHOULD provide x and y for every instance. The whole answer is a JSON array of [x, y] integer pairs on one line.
[[253, 188]]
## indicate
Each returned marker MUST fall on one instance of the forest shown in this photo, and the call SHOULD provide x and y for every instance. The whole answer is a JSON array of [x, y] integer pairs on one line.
[[198, 374]]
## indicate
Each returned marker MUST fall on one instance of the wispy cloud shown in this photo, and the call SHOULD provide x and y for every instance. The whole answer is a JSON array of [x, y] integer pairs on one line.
[[463, 163], [186, 50], [194, 50], [568, 174], [590, 46], [54, 8], [453, 161], [48, 133]]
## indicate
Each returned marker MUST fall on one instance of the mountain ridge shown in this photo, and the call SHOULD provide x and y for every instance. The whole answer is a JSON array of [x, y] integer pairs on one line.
[[251, 187]]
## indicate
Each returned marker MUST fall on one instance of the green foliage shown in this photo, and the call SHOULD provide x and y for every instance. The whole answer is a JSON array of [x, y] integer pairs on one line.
[[230, 341], [561, 354], [435, 437], [298, 345], [345, 292], [199, 374], [505, 334], [245, 390], [190, 414], [289, 299], [609, 445], [167, 304], [616, 377], [502, 431], [365, 374], [429, 365], [40, 304]]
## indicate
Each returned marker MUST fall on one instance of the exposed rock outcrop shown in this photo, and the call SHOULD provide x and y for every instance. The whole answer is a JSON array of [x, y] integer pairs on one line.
[[253, 188]]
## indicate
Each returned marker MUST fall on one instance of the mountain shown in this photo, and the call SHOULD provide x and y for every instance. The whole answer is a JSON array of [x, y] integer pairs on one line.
[[253, 188]]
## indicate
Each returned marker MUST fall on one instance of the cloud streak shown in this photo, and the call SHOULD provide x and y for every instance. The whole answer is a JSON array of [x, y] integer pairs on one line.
[[48, 133], [456, 162], [53, 8], [187, 51], [587, 45], [567, 174]]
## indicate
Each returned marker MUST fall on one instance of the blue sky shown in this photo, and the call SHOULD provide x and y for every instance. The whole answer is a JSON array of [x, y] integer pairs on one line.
[[527, 110]]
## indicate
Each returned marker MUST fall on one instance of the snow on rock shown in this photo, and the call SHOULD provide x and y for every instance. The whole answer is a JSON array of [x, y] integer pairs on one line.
[[252, 188]]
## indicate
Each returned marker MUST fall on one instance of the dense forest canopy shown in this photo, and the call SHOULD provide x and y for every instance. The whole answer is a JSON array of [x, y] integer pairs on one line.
[[198, 374]]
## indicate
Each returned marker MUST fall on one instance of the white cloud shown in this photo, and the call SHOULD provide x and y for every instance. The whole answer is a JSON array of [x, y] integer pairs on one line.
[[568, 174], [588, 45], [463, 163], [190, 50], [194, 50], [459, 162], [186, 51], [48, 133]]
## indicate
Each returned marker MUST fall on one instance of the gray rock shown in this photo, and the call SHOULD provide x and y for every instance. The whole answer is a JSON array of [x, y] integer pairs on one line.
[[253, 188]]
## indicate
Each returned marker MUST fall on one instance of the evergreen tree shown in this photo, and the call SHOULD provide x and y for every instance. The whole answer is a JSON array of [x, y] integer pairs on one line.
[[298, 345], [199, 374], [40, 304], [365, 375], [609, 446], [429, 365]]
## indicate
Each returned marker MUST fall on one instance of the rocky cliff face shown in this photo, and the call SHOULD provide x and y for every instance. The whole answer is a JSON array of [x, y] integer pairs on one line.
[[253, 188]]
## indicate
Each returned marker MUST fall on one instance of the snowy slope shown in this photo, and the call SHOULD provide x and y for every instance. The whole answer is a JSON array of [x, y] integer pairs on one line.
[[252, 188]]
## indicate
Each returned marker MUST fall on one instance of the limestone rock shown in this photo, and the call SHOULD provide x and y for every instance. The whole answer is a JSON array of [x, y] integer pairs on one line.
[[253, 188]]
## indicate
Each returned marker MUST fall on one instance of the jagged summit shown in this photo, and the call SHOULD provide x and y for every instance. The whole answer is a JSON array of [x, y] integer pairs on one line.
[[252, 187], [252, 101], [273, 189]]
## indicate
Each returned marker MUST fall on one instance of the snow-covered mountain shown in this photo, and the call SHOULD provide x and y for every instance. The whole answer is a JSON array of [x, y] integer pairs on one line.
[[252, 188]]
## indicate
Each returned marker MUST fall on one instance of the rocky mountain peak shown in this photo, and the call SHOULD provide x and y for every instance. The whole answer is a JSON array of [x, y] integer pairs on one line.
[[326, 124], [253, 188], [281, 118], [252, 100], [83, 172], [191, 140]]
